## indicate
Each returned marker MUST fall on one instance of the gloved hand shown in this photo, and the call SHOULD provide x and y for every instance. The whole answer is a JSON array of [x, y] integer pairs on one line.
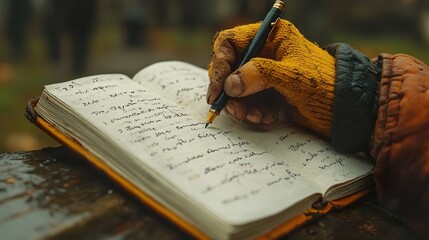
[[290, 75]]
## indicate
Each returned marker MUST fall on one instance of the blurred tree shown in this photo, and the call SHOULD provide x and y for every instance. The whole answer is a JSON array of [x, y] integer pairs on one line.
[[190, 14], [80, 16], [134, 22], [160, 13], [18, 19], [76, 20], [52, 24]]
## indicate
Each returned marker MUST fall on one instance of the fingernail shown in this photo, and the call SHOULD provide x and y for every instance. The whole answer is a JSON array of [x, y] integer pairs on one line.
[[233, 85], [254, 116], [268, 119]]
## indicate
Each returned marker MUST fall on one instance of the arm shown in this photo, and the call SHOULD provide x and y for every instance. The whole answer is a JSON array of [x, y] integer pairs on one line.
[[400, 142]]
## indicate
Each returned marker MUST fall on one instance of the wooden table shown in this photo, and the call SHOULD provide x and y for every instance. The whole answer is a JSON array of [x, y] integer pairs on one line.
[[53, 193]]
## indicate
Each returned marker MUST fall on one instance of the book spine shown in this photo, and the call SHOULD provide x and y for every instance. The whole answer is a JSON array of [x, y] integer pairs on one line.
[[30, 113]]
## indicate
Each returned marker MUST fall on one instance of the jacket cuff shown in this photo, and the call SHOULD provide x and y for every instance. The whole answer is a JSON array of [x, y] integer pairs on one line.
[[355, 103]]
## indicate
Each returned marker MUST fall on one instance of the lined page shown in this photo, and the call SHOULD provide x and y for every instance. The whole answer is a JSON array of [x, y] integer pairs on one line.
[[216, 168], [309, 155]]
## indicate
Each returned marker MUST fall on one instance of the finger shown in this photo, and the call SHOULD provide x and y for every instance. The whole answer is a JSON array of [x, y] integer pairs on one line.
[[244, 112], [237, 109], [228, 45], [261, 117], [254, 111], [256, 116], [250, 78], [270, 118], [220, 67]]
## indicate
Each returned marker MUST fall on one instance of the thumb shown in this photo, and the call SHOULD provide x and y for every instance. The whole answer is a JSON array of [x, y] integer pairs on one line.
[[249, 79]]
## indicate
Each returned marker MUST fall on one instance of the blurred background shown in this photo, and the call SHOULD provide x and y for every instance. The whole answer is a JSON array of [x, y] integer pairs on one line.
[[47, 41]]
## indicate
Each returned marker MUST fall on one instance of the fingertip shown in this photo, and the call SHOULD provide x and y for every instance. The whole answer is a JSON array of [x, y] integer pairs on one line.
[[254, 116], [247, 80], [269, 119], [233, 86], [236, 109]]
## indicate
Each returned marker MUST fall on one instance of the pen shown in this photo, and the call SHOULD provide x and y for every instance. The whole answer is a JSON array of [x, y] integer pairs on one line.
[[255, 46]]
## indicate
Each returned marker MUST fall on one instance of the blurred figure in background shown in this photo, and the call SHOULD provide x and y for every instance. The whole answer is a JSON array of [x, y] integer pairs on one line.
[[18, 18], [76, 19], [190, 14], [159, 10], [52, 24], [80, 16], [134, 24]]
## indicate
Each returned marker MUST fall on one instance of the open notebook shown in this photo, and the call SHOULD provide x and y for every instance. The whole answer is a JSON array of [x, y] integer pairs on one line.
[[223, 182]]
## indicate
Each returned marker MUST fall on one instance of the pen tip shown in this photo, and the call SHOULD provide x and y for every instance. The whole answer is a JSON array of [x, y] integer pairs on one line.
[[207, 124]]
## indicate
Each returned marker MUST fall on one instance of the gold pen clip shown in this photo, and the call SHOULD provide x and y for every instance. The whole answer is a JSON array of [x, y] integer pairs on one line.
[[270, 34]]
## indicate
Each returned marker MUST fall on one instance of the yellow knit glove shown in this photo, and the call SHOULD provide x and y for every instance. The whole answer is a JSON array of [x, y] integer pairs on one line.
[[289, 68]]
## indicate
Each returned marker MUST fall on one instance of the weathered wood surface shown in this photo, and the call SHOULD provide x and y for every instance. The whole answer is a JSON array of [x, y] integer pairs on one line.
[[54, 194]]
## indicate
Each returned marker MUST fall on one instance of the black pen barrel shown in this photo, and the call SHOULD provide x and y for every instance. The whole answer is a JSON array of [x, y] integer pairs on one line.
[[261, 36]]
